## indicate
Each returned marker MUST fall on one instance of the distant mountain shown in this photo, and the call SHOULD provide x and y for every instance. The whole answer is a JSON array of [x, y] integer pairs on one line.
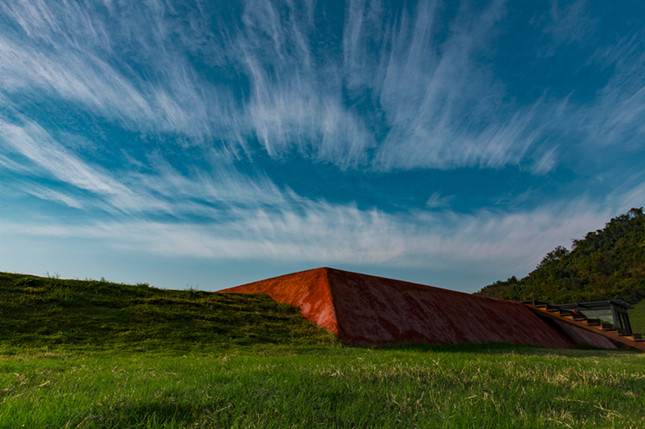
[[606, 264]]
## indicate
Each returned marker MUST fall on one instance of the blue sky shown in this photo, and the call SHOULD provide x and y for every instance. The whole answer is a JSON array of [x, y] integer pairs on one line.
[[213, 143]]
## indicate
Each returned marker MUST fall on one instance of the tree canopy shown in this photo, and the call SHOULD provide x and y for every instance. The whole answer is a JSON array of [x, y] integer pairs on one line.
[[606, 264]]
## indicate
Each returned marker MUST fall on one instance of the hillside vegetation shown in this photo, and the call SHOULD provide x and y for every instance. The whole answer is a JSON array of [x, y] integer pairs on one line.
[[606, 264], [39, 312]]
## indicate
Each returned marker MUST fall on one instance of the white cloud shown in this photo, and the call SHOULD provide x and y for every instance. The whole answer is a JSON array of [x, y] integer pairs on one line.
[[223, 184], [437, 201], [36, 145], [444, 108], [323, 233], [618, 115], [401, 88], [49, 194], [78, 53], [431, 101], [570, 23], [30, 150], [296, 98]]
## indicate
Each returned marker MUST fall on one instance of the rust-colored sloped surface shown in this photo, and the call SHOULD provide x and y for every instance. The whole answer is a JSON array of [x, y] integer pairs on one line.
[[583, 337], [369, 310], [308, 290], [378, 311]]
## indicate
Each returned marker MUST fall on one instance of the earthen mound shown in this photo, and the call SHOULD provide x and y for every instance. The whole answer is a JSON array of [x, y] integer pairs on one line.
[[368, 310]]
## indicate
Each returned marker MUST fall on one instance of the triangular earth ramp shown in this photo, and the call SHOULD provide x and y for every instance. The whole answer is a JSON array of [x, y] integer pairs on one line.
[[369, 310]]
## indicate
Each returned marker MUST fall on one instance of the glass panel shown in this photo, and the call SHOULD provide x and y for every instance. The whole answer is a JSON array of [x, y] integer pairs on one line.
[[604, 315]]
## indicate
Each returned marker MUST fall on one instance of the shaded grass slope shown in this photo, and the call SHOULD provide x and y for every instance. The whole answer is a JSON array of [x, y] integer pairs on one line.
[[39, 312]]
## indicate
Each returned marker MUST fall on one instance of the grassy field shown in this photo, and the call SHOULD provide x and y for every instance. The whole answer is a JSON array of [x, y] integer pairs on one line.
[[323, 387], [94, 354], [637, 317]]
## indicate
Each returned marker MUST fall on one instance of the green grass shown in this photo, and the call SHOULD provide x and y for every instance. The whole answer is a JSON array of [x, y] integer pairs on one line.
[[637, 317], [81, 354], [50, 312], [340, 387]]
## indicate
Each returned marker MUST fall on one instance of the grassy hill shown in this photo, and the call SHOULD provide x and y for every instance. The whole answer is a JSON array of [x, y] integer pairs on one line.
[[637, 317], [37, 312]]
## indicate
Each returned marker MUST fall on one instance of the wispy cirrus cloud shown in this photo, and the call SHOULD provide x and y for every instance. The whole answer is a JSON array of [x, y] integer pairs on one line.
[[569, 23], [83, 54], [296, 100], [323, 233], [619, 111], [46, 193], [443, 105], [173, 127], [28, 149], [44, 157], [437, 201], [36, 145], [391, 87]]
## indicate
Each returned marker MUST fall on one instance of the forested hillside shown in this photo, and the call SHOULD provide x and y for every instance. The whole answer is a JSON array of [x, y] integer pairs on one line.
[[606, 264]]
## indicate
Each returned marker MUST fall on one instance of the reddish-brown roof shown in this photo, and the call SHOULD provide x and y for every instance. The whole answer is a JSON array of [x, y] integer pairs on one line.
[[308, 290], [368, 310]]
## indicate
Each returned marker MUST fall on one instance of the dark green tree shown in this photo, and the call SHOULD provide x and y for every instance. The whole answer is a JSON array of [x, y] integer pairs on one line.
[[606, 264]]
